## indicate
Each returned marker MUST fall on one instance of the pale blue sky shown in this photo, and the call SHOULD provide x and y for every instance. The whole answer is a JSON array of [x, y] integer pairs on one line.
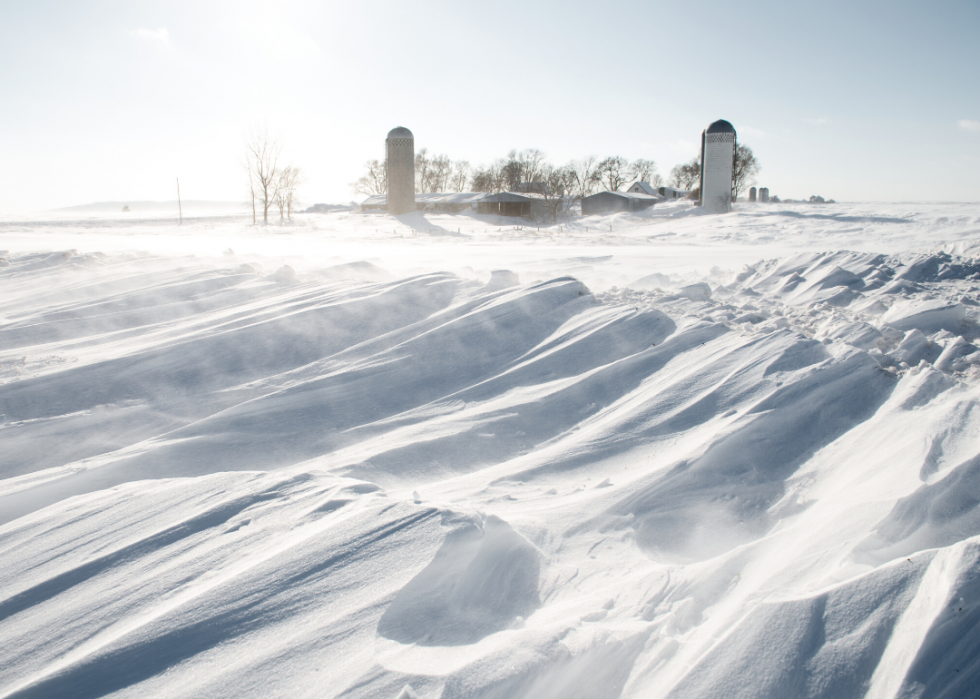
[[112, 100]]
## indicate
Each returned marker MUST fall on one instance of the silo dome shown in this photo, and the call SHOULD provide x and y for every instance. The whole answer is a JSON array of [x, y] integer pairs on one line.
[[720, 126], [402, 132]]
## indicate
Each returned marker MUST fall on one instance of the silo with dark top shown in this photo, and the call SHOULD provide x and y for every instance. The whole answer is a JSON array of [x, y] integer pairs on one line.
[[717, 166], [752, 194], [400, 152]]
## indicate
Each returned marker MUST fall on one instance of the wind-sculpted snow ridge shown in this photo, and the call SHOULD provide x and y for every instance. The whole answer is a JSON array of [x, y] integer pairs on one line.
[[225, 481]]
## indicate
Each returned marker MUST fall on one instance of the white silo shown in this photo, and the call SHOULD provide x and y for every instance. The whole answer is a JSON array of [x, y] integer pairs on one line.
[[400, 152], [717, 166], [764, 195]]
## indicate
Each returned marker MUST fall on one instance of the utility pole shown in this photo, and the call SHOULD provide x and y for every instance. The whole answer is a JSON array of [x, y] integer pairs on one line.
[[180, 209]]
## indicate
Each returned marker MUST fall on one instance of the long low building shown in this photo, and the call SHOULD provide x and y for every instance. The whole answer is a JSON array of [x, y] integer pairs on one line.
[[516, 204], [606, 202], [453, 202]]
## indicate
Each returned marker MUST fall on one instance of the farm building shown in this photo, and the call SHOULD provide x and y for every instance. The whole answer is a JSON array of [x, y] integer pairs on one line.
[[642, 188], [526, 205], [665, 192], [672, 192], [606, 202], [375, 202], [452, 202]]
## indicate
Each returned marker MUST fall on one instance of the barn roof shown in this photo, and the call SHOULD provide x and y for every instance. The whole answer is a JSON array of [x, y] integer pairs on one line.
[[645, 186], [628, 195], [512, 197], [432, 198], [449, 197]]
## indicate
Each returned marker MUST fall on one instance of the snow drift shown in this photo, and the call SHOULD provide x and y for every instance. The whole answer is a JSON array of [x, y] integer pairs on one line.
[[222, 478]]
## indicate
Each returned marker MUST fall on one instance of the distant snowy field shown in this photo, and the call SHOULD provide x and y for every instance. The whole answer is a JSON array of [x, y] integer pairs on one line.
[[658, 455]]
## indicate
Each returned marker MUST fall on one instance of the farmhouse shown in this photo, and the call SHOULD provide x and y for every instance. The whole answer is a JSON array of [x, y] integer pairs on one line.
[[665, 192]]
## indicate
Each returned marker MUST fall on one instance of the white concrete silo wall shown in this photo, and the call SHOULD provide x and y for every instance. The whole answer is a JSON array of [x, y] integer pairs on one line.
[[401, 175], [719, 152]]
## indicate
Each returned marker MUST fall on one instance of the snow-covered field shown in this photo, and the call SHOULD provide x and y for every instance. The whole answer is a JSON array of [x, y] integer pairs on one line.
[[659, 455]]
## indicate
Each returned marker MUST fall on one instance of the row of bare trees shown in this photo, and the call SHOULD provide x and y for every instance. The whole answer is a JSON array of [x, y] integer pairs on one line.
[[432, 174], [528, 170], [523, 169], [440, 174], [520, 170], [270, 182]]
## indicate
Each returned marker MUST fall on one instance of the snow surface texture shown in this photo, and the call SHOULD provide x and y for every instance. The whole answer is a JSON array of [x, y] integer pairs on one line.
[[673, 455]]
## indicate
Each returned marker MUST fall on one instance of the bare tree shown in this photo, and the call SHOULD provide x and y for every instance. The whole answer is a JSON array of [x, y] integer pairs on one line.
[[423, 174], [523, 167], [375, 181], [614, 172], [686, 175], [289, 181], [482, 180], [262, 165], [460, 176], [746, 168], [490, 178], [251, 189], [587, 176], [441, 169], [642, 170], [558, 190], [292, 185]]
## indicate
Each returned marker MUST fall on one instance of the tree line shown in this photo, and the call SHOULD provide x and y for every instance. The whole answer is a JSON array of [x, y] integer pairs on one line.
[[528, 170], [524, 170]]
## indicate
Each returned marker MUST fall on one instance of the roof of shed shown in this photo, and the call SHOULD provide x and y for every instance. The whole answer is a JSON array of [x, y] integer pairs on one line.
[[513, 197], [431, 198], [628, 195]]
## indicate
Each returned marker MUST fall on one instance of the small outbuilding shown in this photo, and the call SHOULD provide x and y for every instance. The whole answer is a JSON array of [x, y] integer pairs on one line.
[[610, 202], [375, 202], [672, 192]]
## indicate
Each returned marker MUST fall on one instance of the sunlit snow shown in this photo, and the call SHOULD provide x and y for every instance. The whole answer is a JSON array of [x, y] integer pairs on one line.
[[663, 454]]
